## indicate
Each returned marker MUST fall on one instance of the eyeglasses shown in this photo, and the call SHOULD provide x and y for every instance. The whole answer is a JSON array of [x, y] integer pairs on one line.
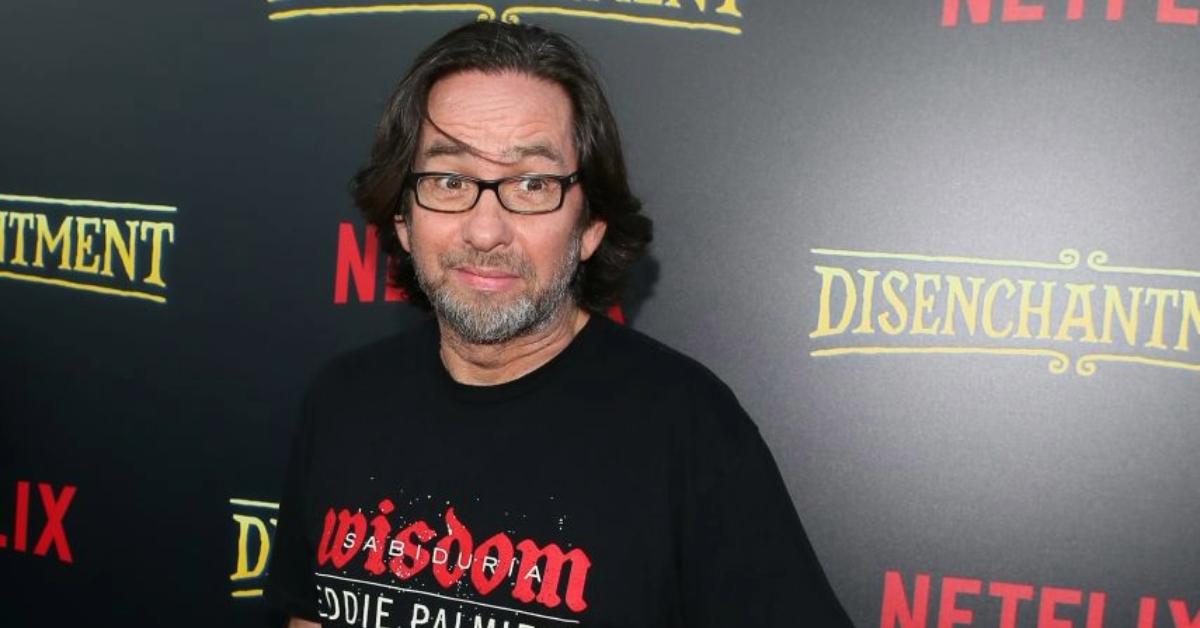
[[451, 192]]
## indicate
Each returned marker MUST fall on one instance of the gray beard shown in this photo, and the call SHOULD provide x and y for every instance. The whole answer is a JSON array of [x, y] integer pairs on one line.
[[485, 323]]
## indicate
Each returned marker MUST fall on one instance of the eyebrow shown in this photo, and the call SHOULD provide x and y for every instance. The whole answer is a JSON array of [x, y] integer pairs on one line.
[[444, 148]]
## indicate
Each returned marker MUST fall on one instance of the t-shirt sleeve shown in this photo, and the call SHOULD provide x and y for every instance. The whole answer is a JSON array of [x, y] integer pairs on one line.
[[745, 559], [291, 587]]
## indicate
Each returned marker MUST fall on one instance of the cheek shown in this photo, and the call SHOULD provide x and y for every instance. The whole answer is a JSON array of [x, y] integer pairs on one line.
[[549, 250], [428, 238]]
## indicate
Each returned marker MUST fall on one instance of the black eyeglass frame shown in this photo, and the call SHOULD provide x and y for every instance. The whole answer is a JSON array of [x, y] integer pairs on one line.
[[565, 181]]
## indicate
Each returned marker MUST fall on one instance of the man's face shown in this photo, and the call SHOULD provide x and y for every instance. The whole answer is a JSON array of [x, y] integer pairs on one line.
[[493, 275]]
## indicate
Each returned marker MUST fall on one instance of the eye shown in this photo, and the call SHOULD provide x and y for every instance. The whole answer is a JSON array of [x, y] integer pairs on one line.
[[450, 182], [534, 184]]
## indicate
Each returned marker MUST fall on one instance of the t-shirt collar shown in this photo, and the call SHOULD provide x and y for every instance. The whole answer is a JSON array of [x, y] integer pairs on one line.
[[537, 378]]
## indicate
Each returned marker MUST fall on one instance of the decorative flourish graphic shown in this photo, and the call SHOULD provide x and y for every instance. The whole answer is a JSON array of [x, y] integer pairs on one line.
[[1068, 259], [69, 202], [1098, 260], [103, 247], [1059, 362], [982, 311], [671, 13], [512, 16], [1086, 365], [484, 12]]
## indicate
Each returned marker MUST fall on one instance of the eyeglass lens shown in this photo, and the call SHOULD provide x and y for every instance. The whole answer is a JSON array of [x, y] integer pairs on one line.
[[519, 194]]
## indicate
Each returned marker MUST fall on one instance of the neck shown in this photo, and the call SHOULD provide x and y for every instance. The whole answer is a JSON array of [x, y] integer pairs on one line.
[[488, 365]]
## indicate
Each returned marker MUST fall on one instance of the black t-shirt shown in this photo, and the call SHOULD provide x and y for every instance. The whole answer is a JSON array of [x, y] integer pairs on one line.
[[620, 485]]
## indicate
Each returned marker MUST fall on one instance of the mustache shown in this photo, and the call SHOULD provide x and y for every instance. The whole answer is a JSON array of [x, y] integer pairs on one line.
[[508, 261]]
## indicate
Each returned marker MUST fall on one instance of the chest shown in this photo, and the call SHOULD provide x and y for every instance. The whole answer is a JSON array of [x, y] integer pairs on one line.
[[452, 523]]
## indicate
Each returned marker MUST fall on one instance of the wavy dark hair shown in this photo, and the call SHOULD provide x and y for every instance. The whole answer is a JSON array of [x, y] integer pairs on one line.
[[494, 47]]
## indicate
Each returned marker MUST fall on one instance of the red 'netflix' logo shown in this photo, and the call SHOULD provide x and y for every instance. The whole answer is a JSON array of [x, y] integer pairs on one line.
[[983, 11], [358, 263], [1047, 603], [52, 535]]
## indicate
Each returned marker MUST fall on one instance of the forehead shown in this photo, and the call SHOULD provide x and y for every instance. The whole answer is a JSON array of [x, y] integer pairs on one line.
[[503, 118]]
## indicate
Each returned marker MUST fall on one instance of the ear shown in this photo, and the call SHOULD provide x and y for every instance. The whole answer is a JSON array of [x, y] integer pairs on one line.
[[590, 240], [401, 227]]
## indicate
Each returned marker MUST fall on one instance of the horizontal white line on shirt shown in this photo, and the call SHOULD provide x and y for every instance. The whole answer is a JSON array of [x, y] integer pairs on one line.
[[445, 597]]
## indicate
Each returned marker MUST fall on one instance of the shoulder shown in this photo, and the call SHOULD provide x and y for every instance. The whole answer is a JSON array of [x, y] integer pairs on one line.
[[643, 361], [636, 350], [711, 432]]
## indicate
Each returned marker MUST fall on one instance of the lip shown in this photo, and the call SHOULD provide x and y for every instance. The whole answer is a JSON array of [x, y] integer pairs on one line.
[[490, 279], [491, 273]]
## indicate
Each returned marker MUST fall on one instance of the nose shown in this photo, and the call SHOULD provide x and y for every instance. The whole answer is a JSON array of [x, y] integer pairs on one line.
[[486, 226]]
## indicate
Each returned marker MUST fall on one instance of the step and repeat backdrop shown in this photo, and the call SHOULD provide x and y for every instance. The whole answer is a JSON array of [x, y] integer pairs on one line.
[[943, 250]]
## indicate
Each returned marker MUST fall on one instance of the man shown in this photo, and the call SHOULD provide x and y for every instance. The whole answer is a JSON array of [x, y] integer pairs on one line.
[[521, 461]]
